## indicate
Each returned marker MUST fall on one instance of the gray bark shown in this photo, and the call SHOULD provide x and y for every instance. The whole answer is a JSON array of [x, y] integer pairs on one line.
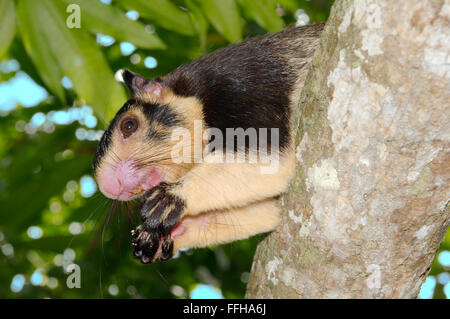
[[368, 206]]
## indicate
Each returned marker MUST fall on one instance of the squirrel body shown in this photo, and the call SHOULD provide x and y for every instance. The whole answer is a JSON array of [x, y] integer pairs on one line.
[[193, 198]]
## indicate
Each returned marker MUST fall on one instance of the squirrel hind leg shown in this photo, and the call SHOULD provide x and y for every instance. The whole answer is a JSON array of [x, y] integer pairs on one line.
[[224, 226]]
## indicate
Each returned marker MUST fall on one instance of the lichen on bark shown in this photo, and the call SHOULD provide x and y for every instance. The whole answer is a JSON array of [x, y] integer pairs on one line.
[[368, 206]]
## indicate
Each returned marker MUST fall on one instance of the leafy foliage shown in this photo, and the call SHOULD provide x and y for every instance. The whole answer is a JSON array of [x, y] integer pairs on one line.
[[41, 167]]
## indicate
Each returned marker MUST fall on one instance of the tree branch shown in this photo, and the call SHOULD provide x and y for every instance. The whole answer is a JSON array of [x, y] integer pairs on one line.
[[368, 207]]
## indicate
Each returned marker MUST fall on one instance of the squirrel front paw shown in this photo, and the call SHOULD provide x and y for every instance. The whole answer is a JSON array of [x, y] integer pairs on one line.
[[149, 248], [160, 212]]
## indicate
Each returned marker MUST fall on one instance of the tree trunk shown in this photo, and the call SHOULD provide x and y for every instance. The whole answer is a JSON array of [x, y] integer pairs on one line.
[[368, 206]]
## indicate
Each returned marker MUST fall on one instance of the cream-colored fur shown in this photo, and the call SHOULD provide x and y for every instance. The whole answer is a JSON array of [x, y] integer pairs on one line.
[[223, 226], [216, 186]]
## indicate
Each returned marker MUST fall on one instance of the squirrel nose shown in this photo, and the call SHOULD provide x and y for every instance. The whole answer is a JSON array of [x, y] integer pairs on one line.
[[117, 182], [111, 186]]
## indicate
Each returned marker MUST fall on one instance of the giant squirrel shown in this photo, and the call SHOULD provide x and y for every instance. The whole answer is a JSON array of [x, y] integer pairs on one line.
[[255, 84]]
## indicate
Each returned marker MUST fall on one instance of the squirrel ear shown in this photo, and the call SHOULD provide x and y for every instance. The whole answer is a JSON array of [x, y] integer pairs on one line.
[[138, 85]]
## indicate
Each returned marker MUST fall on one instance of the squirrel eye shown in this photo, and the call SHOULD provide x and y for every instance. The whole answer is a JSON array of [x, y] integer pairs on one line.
[[128, 126]]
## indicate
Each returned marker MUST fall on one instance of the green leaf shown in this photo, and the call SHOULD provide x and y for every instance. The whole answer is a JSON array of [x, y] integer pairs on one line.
[[54, 243], [33, 196], [37, 45], [78, 56], [110, 20], [7, 25], [18, 52], [199, 21], [264, 13], [317, 10], [224, 16], [34, 174], [162, 12], [291, 5]]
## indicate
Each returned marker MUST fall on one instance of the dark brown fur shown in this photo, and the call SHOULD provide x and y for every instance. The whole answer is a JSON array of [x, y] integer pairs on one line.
[[247, 84]]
